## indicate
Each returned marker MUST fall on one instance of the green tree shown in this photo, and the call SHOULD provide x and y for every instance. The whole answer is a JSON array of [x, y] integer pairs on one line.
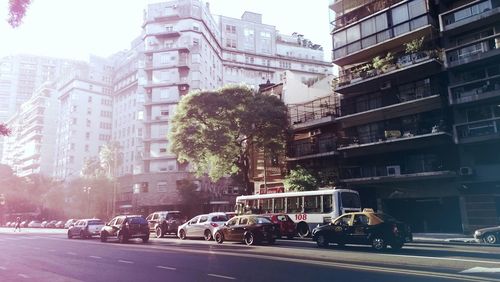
[[17, 11], [300, 179], [110, 158], [215, 130]]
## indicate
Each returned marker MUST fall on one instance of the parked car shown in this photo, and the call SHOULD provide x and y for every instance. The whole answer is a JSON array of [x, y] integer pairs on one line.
[[490, 235], [24, 223], [125, 227], [69, 222], [44, 224], [86, 228], [230, 215], [164, 222], [60, 224], [288, 228], [51, 224], [365, 228], [251, 229], [202, 226], [7, 224], [35, 224]]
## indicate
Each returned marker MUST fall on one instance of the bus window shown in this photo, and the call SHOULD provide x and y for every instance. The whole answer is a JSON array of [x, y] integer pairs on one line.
[[327, 203], [294, 204], [350, 200], [267, 205], [279, 205], [312, 204]]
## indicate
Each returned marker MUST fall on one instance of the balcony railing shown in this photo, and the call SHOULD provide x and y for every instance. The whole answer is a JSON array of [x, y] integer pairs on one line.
[[349, 11], [463, 14], [181, 62], [473, 51], [314, 110], [312, 147], [476, 90], [483, 128], [392, 170]]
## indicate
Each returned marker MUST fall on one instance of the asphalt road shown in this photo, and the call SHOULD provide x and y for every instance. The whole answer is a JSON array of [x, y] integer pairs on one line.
[[45, 256]]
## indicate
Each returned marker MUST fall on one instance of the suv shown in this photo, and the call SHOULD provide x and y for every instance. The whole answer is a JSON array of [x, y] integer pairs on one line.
[[164, 222], [125, 227]]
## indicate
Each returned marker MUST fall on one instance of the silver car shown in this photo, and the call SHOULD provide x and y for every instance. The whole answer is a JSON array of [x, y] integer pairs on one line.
[[85, 228], [202, 226]]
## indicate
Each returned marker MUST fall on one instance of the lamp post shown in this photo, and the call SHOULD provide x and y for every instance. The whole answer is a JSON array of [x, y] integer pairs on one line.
[[87, 190]]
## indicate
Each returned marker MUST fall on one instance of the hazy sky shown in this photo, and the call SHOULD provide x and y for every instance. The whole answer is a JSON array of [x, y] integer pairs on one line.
[[76, 28]]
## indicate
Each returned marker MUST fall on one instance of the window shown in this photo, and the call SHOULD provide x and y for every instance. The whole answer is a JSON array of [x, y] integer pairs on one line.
[[400, 14], [90, 99], [203, 218], [327, 203], [244, 221], [312, 204], [344, 220], [360, 219], [233, 221], [161, 186], [417, 8], [339, 39], [279, 205], [353, 34], [294, 204], [144, 187]]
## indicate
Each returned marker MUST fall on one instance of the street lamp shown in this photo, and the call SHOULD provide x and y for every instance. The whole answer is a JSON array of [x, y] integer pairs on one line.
[[87, 190]]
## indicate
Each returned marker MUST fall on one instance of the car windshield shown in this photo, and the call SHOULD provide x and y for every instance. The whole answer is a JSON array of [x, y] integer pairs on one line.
[[385, 217], [219, 218], [282, 217], [96, 222], [261, 219], [136, 220], [175, 216]]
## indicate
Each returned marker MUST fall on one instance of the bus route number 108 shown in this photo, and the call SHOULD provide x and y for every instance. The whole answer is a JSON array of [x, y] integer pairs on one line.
[[301, 216]]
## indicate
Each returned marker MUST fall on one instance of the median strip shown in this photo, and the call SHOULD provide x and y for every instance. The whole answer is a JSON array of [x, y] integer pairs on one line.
[[221, 276]]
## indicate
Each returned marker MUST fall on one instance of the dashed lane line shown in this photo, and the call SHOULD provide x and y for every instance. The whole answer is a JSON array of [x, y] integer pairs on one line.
[[95, 257], [125, 261], [71, 253], [221, 276], [23, 275], [166, 267], [3, 268]]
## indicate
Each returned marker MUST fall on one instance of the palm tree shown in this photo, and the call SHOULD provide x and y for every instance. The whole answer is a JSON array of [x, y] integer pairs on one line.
[[110, 158]]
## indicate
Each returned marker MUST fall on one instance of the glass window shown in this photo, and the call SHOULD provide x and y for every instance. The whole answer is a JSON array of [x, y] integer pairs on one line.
[[327, 203], [174, 216], [294, 204], [400, 14], [312, 204], [119, 221], [194, 220], [266, 205], [233, 221], [203, 218], [279, 205], [343, 220], [381, 22], [353, 34], [360, 219], [244, 221], [218, 218], [368, 27], [339, 39], [417, 8]]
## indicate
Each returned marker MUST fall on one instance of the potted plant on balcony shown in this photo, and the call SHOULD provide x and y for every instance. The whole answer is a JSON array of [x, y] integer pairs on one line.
[[385, 64], [414, 49]]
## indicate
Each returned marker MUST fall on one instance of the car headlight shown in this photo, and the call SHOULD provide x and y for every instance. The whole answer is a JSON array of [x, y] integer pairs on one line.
[[478, 233]]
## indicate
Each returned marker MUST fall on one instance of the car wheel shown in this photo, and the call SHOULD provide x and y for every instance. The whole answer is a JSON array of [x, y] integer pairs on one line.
[[321, 241], [207, 235], [182, 234], [145, 239], [159, 232], [490, 238], [219, 238], [104, 237], [69, 235], [122, 238], [303, 230], [378, 243], [249, 239]]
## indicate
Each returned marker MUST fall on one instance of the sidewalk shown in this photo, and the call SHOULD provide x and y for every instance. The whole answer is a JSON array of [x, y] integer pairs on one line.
[[445, 238]]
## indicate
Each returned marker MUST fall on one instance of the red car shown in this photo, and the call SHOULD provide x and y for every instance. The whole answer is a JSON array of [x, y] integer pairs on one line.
[[288, 228]]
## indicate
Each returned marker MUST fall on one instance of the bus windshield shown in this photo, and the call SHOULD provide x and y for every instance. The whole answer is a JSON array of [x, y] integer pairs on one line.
[[350, 200]]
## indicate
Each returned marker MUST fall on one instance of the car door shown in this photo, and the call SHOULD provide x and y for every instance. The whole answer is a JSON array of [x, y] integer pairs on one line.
[[229, 228], [200, 226], [151, 223], [358, 230], [240, 228], [191, 226], [339, 229], [75, 229]]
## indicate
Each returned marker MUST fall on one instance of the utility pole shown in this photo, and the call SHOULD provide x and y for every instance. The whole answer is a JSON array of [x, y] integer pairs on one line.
[[114, 180]]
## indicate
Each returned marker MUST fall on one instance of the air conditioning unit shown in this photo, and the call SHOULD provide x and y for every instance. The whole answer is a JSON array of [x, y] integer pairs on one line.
[[315, 132], [466, 171], [393, 170], [385, 85]]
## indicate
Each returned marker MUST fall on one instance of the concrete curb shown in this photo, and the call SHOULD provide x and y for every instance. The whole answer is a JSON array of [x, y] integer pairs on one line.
[[456, 242]]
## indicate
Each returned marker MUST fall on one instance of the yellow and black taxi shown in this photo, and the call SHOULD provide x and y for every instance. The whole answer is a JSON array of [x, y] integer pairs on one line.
[[364, 228]]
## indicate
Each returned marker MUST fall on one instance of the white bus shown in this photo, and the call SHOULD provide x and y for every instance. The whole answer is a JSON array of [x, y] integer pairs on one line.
[[307, 209]]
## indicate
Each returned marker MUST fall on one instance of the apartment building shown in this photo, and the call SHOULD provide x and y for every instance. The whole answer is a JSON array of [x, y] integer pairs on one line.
[[29, 150], [186, 48], [85, 116]]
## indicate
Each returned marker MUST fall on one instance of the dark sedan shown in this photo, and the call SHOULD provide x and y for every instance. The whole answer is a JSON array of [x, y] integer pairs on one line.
[[251, 229], [490, 235], [125, 227], [364, 228]]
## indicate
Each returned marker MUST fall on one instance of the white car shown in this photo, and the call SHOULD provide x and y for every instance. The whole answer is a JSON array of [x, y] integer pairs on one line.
[[202, 226], [35, 224], [86, 228]]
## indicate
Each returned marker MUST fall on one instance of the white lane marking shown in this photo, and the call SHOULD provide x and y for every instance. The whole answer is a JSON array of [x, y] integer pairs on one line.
[[481, 270], [125, 261], [23, 275], [96, 257], [221, 276], [452, 259], [3, 268], [71, 253], [166, 267]]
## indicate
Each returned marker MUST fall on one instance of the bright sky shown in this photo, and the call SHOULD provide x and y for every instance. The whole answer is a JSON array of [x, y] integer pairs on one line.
[[76, 28]]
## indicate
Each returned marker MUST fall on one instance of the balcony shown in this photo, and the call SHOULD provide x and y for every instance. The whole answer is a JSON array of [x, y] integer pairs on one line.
[[477, 131], [366, 78], [476, 90], [150, 157], [473, 52], [421, 102], [158, 119], [159, 48], [312, 148], [393, 141], [471, 15], [181, 63], [150, 102], [314, 113], [163, 34], [394, 173], [391, 38]]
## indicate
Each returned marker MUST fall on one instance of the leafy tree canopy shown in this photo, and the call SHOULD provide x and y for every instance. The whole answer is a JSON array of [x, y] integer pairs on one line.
[[300, 179], [215, 130], [17, 11], [4, 130]]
